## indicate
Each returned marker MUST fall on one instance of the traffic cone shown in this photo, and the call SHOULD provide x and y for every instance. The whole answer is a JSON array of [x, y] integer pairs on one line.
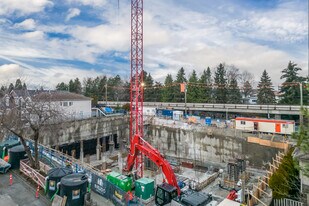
[[11, 179], [37, 192]]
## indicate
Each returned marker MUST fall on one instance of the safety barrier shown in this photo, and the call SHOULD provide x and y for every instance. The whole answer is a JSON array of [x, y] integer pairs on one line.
[[32, 173], [287, 202]]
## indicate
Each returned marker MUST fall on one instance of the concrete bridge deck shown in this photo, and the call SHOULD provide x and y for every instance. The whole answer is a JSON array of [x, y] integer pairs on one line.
[[237, 108]]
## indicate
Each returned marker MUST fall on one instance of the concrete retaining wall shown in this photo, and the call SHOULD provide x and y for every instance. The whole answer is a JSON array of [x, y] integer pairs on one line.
[[201, 145]]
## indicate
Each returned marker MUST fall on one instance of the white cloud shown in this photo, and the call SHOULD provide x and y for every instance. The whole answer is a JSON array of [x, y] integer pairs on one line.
[[194, 40], [93, 3], [107, 37], [73, 12], [22, 7], [28, 24], [9, 73], [37, 35], [46, 77]]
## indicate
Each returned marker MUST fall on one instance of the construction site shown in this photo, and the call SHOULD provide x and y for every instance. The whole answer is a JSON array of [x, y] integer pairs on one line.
[[167, 157]]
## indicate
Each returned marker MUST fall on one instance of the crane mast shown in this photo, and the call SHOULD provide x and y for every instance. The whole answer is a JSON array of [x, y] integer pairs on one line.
[[138, 146], [136, 80]]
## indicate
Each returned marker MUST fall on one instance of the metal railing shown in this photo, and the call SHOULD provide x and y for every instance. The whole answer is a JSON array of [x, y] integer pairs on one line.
[[287, 202], [32, 173]]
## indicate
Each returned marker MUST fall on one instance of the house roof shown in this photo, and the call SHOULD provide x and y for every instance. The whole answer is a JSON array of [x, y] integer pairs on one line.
[[60, 96], [20, 93]]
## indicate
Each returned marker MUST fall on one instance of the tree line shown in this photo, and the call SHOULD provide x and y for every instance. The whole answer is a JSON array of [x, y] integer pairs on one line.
[[223, 84]]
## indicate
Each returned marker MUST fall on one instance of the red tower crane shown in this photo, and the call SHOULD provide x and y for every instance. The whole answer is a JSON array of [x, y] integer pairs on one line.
[[136, 83], [138, 146]]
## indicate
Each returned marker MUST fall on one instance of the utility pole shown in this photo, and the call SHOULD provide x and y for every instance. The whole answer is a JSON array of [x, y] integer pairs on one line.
[[185, 99], [301, 119], [106, 94]]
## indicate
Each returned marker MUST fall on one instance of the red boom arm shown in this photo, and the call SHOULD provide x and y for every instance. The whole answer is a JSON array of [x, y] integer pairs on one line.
[[153, 155]]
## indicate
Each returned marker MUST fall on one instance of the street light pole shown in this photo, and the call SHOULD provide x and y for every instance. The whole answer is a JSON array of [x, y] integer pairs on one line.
[[185, 99]]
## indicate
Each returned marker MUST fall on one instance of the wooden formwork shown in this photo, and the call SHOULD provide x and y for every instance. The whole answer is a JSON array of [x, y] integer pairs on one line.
[[260, 188]]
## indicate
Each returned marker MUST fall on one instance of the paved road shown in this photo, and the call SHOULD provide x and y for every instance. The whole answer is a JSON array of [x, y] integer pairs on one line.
[[21, 193]]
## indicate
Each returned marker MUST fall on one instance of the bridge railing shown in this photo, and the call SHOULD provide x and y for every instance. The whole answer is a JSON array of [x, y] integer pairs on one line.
[[217, 106]]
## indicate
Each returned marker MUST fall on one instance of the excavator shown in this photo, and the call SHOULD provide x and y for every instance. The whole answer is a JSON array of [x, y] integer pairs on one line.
[[168, 193]]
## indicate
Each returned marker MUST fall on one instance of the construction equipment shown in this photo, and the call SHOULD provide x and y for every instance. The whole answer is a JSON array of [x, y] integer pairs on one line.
[[168, 192], [138, 146]]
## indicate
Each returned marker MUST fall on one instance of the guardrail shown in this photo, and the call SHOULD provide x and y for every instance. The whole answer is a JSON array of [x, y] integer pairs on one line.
[[202, 106], [287, 202]]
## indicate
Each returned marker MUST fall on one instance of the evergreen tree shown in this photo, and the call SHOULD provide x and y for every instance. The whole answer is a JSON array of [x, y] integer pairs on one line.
[[247, 89], [24, 86], [285, 181], [11, 87], [180, 78], [88, 87], [193, 89], [101, 87], [62, 87], [3, 91], [206, 90], [114, 88], [220, 93], [168, 91], [18, 84], [148, 87], [290, 88], [77, 86], [302, 137], [71, 86], [158, 91], [234, 96], [266, 93]]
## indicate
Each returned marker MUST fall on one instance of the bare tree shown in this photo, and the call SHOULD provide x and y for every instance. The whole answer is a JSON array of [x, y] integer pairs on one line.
[[232, 73], [28, 118], [246, 76]]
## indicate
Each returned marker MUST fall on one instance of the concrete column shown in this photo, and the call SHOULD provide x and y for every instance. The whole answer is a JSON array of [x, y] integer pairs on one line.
[[103, 163], [277, 116], [111, 144], [98, 149], [120, 161], [81, 151]]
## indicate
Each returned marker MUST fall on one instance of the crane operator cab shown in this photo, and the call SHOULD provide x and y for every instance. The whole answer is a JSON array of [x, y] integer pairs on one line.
[[164, 194]]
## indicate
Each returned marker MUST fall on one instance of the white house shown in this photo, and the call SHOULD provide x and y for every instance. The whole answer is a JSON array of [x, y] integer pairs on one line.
[[72, 105]]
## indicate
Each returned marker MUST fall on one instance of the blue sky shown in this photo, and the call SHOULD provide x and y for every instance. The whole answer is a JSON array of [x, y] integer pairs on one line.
[[48, 41]]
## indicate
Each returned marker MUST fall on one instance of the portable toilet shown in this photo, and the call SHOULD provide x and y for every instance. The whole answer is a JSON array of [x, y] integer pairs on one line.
[[74, 186], [208, 121], [16, 154], [53, 177], [7, 144]]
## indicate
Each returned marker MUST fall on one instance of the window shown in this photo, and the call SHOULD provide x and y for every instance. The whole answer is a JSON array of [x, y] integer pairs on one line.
[[60, 103], [243, 122], [285, 125], [70, 103], [65, 104]]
